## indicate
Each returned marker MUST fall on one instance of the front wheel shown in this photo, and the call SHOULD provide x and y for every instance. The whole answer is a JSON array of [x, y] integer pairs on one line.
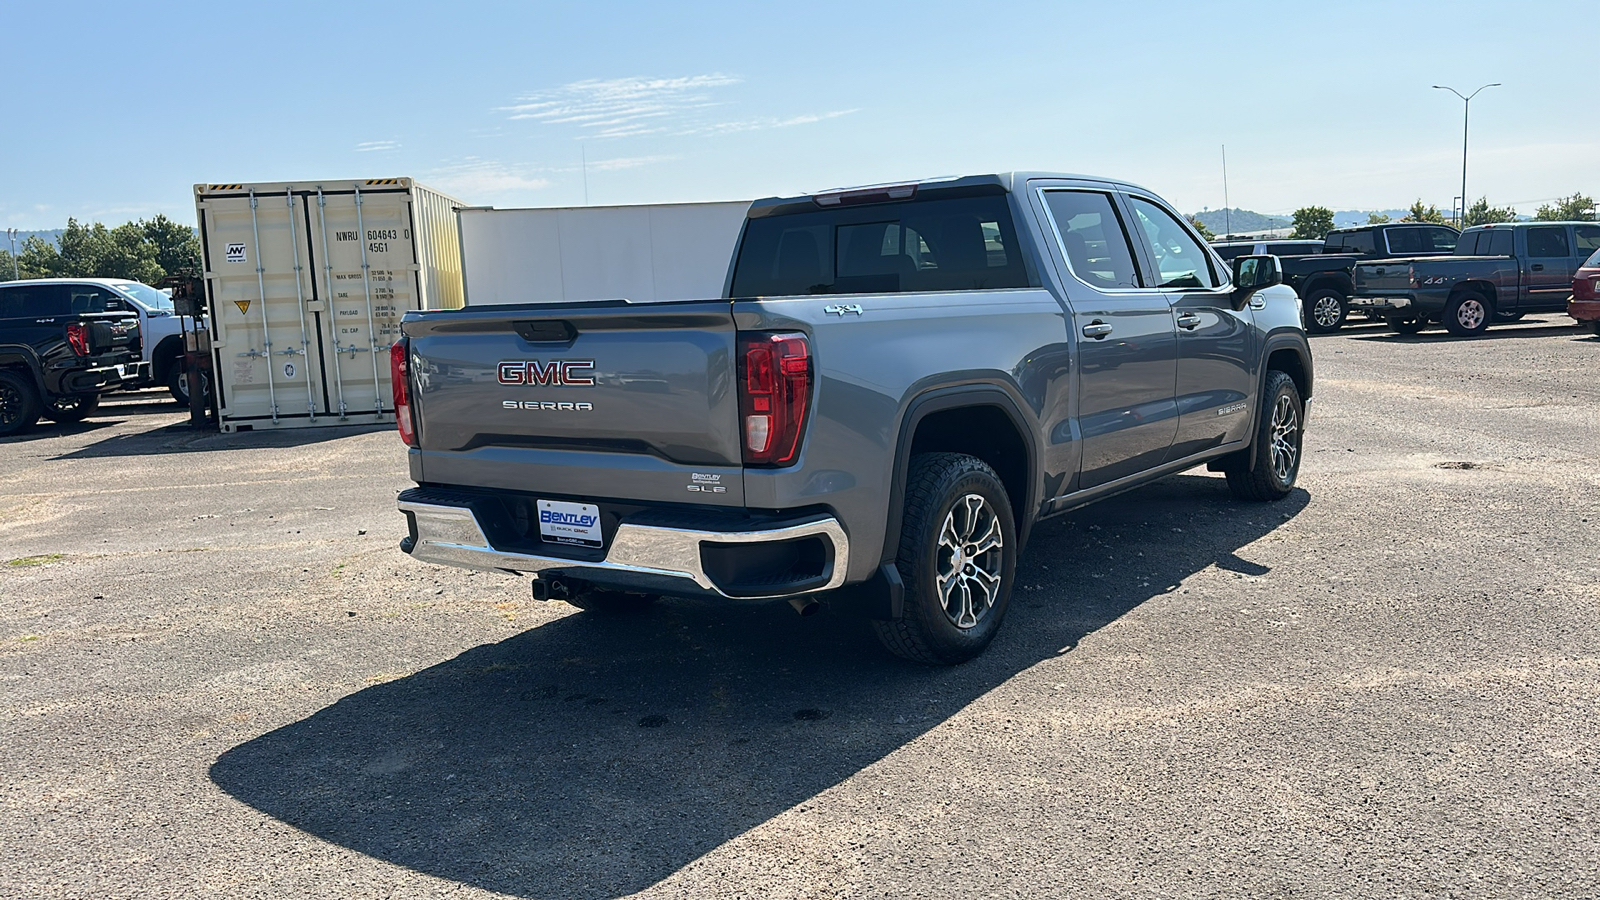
[[957, 558], [19, 403], [1276, 449], [70, 409], [1467, 315], [178, 382], [1326, 309]]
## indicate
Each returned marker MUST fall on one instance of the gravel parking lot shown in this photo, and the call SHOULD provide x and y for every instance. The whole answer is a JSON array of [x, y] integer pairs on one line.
[[220, 678]]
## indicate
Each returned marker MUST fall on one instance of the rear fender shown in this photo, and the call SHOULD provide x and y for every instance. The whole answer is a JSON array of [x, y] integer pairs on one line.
[[18, 356]]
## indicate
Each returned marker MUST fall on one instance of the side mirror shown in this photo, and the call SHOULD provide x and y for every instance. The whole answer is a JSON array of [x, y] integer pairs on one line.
[[1254, 273]]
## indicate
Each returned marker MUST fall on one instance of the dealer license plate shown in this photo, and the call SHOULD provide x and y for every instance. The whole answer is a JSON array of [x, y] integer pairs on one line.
[[570, 523]]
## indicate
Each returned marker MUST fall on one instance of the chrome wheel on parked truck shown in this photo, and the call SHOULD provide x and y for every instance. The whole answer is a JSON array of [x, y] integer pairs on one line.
[[1467, 314], [1325, 311], [957, 558]]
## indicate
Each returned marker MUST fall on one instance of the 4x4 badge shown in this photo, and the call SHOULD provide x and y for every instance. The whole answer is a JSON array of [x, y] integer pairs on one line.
[[840, 309]]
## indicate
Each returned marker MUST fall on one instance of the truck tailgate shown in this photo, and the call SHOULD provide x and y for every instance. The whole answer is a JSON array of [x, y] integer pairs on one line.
[[601, 400]]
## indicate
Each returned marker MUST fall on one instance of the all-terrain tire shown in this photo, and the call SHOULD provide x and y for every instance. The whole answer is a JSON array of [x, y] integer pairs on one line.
[[1276, 448], [1467, 314], [1326, 310], [70, 409], [957, 559], [19, 403]]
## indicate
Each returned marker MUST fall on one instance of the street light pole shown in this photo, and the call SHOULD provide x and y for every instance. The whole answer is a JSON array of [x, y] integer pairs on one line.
[[1466, 110], [12, 234]]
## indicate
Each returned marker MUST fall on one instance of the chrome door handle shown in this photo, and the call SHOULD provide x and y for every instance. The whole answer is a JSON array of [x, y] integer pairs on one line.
[[1189, 320], [1096, 330]]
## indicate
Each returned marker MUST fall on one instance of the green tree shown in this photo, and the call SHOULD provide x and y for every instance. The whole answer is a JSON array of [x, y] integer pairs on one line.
[[1576, 208], [1421, 213], [1312, 222], [177, 250], [1481, 213], [1376, 218], [1200, 228], [40, 259]]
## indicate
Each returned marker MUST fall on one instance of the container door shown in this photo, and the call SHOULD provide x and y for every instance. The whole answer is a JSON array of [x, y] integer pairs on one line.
[[366, 280], [267, 359]]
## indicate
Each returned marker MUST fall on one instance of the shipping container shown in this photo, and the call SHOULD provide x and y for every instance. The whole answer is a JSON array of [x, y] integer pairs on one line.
[[306, 282], [643, 253]]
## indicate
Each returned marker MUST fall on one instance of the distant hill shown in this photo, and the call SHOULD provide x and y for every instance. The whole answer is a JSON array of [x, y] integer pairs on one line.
[[53, 237], [1238, 221]]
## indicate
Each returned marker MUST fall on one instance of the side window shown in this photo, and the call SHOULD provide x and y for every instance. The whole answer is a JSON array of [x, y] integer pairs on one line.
[[1180, 260], [1587, 239], [35, 301], [1405, 240], [1548, 241], [89, 298], [1499, 243], [1468, 245], [1092, 238], [1439, 240], [1351, 242]]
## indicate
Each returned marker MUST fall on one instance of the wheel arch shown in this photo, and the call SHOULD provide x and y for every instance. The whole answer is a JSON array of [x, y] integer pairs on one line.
[[982, 420], [166, 355], [1338, 281], [20, 358], [1475, 286]]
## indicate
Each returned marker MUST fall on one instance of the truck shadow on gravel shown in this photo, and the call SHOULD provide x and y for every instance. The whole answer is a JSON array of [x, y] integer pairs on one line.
[[181, 437], [594, 757]]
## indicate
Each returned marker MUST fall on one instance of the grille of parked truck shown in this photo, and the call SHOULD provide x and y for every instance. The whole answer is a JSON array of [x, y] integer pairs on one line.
[[897, 384]]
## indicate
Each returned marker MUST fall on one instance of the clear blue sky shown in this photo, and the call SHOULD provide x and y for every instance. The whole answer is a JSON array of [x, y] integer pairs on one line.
[[113, 111]]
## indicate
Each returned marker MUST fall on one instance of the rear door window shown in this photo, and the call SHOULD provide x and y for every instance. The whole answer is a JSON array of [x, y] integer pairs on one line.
[[1350, 242], [1548, 242], [1587, 239], [944, 244], [1405, 240], [35, 300], [1180, 260], [1499, 243], [1092, 238]]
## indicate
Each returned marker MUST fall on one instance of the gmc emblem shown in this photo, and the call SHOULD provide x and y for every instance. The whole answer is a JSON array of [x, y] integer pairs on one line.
[[556, 372]]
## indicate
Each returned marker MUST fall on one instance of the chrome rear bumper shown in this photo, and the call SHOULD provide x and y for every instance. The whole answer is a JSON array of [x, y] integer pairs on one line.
[[643, 555]]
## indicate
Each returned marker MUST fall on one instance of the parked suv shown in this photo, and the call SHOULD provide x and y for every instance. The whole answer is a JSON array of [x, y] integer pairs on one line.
[[897, 384]]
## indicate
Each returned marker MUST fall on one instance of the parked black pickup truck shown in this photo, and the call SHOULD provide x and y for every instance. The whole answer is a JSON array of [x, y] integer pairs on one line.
[[58, 350], [1498, 273], [1323, 280]]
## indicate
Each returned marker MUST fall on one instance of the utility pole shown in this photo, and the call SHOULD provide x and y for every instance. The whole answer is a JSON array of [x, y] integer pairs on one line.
[[1466, 110], [1227, 215], [12, 234]]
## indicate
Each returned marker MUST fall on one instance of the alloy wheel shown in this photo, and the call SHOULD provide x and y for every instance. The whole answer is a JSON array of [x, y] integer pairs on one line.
[[1470, 314], [970, 561], [1326, 311], [1285, 438]]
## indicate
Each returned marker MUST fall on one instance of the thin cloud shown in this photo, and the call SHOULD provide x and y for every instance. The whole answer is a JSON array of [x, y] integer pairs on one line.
[[768, 122], [371, 146], [474, 178], [621, 107]]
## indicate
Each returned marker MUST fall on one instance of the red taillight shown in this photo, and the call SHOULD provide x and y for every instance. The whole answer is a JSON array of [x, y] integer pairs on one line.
[[78, 337], [774, 396], [399, 378]]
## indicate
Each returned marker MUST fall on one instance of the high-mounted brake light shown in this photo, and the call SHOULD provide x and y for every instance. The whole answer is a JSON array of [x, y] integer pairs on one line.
[[874, 194], [78, 337], [774, 396], [399, 378]]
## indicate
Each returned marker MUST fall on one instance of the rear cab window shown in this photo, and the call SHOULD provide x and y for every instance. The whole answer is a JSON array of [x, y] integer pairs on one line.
[[938, 241], [1349, 242]]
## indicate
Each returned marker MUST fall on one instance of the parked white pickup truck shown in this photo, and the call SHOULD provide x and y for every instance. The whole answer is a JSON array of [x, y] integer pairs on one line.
[[160, 328]]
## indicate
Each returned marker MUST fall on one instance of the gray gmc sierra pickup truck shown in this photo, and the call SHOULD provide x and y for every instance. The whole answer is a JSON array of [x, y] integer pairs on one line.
[[897, 384]]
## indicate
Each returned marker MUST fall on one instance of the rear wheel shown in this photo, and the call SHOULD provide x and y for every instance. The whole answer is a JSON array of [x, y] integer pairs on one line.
[[1325, 310], [957, 559], [1276, 449], [1467, 314], [73, 408], [1407, 326], [178, 382], [19, 403]]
